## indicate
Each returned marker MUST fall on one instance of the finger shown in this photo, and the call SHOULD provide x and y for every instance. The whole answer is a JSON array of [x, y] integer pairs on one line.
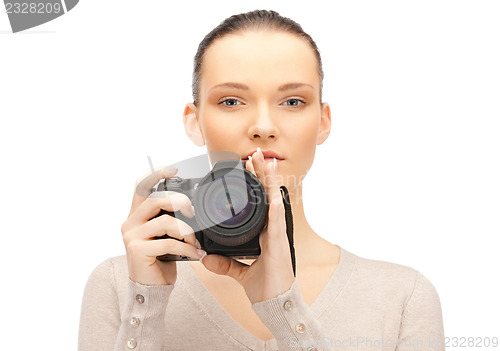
[[160, 200], [155, 248], [273, 188], [275, 247], [224, 265], [263, 175], [276, 226], [145, 183], [174, 201], [259, 165], [266, 173], [249, 166], [164, 224]]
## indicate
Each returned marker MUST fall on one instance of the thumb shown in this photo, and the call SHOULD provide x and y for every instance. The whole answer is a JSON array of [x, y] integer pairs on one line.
[[224, 265]]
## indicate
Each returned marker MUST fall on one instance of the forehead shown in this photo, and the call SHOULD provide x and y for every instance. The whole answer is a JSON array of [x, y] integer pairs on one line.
[[260, 59]]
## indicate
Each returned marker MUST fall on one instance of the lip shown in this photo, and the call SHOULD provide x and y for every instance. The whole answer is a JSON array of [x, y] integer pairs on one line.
[[268, 155]]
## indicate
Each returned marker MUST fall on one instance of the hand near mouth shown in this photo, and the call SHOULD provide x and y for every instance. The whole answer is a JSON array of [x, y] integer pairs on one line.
[[271, 274]]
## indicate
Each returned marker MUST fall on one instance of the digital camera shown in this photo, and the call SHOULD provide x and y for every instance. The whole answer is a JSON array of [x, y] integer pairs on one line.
[[231, 209]]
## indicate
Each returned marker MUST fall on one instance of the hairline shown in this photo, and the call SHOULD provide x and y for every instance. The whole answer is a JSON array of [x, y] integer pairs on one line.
[[263, 28]]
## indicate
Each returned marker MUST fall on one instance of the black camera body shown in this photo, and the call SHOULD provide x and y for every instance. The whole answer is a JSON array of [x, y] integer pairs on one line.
[[231, 209]]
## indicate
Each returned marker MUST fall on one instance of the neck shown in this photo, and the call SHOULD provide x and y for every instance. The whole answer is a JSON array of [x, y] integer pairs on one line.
[[310, 248], [305, 239]]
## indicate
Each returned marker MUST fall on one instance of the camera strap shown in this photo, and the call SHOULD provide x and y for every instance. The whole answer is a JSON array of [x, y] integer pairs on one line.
[[289, 223]]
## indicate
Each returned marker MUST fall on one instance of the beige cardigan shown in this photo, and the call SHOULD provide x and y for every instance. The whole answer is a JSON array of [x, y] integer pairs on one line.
[[366, 304]]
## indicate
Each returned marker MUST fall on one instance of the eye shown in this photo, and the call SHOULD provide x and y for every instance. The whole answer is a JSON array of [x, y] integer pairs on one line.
[[294, 102], [229, 102]]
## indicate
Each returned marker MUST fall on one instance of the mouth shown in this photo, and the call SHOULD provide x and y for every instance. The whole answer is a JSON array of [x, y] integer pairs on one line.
[[266, 159], [269, 156]]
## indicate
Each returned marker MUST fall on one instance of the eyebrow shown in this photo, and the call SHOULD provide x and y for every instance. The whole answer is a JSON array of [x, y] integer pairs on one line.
[[240, 86]]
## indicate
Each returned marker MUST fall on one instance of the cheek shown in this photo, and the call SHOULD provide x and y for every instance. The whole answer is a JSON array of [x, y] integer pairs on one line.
[[301, 152], [305, 140], [220, 135]]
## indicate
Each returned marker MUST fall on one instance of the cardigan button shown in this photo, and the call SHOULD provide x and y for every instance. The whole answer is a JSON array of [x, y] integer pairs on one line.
[[312, 349], [288, 305], [134, 321], [131, 343], [300, 328], [139, 299]]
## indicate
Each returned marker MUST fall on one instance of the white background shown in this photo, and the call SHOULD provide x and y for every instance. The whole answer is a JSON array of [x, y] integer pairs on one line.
[[410, 173]]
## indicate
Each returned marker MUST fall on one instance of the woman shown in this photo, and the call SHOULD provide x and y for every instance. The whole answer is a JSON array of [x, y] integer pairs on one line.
[[257, 92]]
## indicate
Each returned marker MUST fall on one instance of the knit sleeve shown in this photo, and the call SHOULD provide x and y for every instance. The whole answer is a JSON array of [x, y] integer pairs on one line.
[[139, 326], [422, 321], [290, 320]]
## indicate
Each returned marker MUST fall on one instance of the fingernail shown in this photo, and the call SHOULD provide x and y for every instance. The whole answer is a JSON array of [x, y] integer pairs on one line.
[[202, 253], [250, 158], [259, 152], [192, 210], [275, 165], [197, 244]]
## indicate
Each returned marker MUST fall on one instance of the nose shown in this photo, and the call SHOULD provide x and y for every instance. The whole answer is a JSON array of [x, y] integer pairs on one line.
[[263, 126]]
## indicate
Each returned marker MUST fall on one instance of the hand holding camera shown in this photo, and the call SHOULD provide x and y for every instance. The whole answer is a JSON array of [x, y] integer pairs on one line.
[[272, 273], [231, 210], [234, 211], [139, 232]]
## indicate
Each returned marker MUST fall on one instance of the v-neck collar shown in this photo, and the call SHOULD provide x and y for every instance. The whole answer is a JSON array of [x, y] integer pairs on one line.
[[188, 277]]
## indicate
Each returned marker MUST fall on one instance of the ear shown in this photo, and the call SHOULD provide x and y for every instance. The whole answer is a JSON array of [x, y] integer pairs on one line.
[[325, 124], [191, 124]]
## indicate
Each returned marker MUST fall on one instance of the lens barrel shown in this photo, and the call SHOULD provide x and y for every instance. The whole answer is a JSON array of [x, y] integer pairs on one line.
[[230, 205]]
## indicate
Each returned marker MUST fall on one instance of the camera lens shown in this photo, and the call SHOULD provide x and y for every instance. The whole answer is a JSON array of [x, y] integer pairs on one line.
[[231, 205], [229, 202]]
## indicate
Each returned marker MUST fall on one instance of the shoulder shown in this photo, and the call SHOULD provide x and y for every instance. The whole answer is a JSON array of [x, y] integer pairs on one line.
[[110, 268], [110, 276], [389, 280], [385, 271]]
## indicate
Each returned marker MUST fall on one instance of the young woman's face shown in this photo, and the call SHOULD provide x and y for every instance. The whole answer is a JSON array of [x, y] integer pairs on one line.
[[261, 89]]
